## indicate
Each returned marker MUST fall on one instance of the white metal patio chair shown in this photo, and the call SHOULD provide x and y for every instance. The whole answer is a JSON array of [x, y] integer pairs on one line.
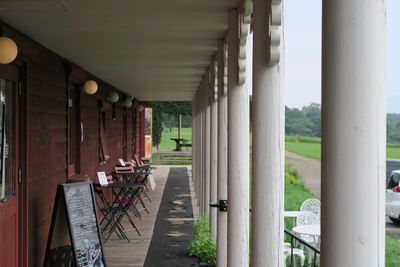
[[307, 218], [297, 252], [313, 205]]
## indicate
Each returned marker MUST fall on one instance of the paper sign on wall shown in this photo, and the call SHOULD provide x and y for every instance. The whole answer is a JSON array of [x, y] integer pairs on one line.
[[121, 162], [102, 178]]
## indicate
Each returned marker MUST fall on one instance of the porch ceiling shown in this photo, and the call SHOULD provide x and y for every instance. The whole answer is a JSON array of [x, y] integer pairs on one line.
[[152, 49]]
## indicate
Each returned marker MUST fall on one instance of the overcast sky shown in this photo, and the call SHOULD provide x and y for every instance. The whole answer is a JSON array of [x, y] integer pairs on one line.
[[303, 53]]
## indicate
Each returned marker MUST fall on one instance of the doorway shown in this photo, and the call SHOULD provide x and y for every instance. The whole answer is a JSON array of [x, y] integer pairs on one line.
[[10, 172]]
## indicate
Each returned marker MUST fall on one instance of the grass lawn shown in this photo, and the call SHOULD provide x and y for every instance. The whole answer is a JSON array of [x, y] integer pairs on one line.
[[392, 251], [393, 152], [161, 159], [313, 150], [296, 193], [167, 144]]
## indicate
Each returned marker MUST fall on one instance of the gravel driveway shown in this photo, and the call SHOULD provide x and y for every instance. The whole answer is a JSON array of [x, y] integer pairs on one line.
[[309, 169]]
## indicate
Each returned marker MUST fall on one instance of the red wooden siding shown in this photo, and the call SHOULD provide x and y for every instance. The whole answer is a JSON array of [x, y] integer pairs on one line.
[[129, 136], [47, 139]]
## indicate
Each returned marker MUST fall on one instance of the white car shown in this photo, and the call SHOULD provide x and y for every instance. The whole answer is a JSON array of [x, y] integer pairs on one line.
[[393, 197]]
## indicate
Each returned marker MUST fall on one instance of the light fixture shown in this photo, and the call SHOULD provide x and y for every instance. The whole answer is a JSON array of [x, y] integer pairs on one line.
[[90, 87], [8, 50], [113, 97], [140, 108], [128, 101]]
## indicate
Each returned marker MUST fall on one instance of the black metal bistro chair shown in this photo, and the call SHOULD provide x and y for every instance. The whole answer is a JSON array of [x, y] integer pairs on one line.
[[124, 195]]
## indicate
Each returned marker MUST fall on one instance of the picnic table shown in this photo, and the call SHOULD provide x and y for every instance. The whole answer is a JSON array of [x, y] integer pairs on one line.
[[177, 143], [181, 142]]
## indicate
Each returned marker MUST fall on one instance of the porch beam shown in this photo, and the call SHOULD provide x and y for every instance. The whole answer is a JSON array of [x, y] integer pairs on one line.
[[268, 142], [353, 133], [238, 154], [222, 234]]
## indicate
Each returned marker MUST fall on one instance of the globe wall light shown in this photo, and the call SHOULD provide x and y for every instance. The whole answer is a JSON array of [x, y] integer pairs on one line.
[[140, 108], [113, 97], [8, 50], [90, 87], [128, 102]]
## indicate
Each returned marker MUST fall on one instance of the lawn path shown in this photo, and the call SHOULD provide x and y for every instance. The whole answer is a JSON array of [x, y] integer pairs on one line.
[[309, 169]]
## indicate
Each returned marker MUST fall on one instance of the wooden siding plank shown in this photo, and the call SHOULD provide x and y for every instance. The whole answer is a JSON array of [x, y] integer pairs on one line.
[[38, 120], [47, 90], [47, 167], [45, 105]]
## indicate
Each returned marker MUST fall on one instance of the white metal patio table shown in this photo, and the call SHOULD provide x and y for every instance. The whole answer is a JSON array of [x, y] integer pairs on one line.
[[310, 229]]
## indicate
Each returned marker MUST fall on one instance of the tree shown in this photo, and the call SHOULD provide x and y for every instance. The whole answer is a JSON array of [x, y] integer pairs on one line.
[[164, 109], [393, 128], [305, 121]]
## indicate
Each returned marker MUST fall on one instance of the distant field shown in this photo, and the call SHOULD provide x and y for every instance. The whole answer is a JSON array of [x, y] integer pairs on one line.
[[311, 147], [308, 146], [167, 144]]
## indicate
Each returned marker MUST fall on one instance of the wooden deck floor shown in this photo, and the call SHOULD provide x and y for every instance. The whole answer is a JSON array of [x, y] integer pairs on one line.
[[121, 252]]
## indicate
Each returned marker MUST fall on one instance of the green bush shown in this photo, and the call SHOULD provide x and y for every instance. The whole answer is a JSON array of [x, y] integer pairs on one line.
[[303, 139], [203, 246], [292, 176]]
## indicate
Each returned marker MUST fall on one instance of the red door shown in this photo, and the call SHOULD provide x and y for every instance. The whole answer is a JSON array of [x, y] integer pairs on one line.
[[9, 168]]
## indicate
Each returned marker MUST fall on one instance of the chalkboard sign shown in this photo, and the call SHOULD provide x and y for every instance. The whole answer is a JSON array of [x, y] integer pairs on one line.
[[74, 228]]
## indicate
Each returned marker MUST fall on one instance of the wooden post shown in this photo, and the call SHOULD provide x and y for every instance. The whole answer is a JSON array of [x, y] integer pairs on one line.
[[238, 154], [353, 133], [213, 147], [222, 234], [179, 125], [268, 142]]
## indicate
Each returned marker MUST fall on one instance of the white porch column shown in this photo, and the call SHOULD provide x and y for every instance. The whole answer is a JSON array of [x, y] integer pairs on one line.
[[206, 146], [353, 133], [238, 154], [195, 145], [222, 234], [194, 142], [201, 150], [268, 140], [213, 148]]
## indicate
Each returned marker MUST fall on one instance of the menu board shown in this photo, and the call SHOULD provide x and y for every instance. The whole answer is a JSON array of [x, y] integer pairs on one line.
[[78, 203], [83, 224]]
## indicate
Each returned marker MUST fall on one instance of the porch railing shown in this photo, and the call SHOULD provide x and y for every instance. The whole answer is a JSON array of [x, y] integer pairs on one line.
[[312, 255]]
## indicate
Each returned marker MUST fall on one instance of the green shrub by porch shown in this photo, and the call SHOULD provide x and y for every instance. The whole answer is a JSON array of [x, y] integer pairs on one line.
[[203, 246]]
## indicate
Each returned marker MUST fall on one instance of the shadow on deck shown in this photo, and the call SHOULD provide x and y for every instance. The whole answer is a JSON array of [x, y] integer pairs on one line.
[[166, 231]]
